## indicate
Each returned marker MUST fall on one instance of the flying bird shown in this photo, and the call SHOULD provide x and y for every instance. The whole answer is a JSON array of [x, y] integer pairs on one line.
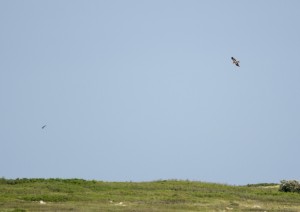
[[236, 62], [44, 126]]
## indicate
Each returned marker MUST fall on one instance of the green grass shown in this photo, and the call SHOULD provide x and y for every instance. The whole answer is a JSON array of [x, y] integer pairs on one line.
[[170, 195]]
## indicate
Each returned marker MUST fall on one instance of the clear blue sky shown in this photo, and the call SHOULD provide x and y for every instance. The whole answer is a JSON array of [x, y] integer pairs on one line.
[[146, 90]]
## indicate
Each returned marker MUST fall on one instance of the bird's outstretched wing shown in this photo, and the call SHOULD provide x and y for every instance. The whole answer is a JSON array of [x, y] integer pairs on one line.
[[233, 59]]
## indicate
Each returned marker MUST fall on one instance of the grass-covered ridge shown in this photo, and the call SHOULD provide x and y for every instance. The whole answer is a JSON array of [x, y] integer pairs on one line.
[[163, 195]]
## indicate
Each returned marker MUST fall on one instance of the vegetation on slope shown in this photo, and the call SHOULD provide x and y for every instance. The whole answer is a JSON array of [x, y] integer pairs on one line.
[[164, 195]]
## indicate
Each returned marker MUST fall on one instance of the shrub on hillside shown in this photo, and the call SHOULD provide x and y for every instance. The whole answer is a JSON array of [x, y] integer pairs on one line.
[[289, 186]]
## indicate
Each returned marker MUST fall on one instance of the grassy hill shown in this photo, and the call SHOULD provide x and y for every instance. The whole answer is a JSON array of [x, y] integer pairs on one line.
[[170, 195]]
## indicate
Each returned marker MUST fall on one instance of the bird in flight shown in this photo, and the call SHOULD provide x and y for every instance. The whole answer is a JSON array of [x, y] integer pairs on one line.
[[43, 127], [236, 62]]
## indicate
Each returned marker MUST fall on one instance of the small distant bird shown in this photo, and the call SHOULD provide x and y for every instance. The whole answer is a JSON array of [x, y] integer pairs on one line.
[[236, 62], [43, 127]]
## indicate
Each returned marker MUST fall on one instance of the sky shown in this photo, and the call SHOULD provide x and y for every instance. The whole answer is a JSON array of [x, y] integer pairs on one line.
[[142, 90]]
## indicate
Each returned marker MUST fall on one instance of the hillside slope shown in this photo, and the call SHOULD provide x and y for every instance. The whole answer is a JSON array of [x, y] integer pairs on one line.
[[169, 195]]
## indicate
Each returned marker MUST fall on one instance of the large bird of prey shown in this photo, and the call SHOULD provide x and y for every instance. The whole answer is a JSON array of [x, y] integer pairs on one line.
[[236, 62], [44, 126]]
